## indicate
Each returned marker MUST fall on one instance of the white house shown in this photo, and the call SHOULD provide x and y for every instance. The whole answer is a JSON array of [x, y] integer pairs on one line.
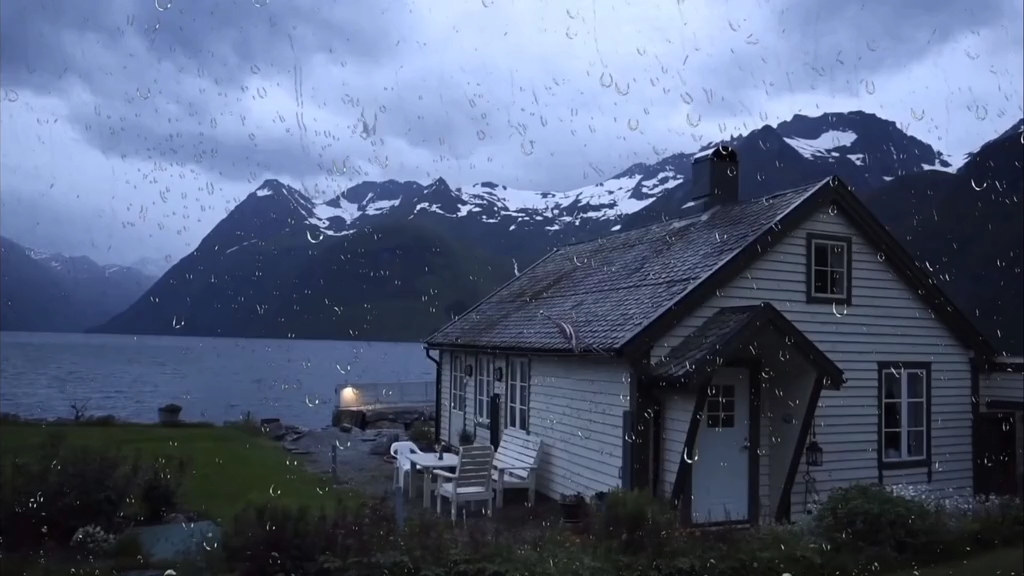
[[698, 358]]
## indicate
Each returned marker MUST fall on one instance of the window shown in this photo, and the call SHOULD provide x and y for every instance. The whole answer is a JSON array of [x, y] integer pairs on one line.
[[484, 388], [829, 262], [458, 399], [720, 411], [517, 394], [905, 413]]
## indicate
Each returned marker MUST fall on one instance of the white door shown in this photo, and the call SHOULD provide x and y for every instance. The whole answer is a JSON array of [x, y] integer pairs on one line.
[[721, 469], [457, 399]]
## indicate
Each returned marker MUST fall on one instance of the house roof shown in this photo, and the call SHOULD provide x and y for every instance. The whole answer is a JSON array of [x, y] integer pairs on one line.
[[715, 341], [620, 293]]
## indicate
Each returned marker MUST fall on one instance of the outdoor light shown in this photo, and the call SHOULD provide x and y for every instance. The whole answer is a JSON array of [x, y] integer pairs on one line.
[[815, 455], [498, 374], [349, 396], [468, 370]]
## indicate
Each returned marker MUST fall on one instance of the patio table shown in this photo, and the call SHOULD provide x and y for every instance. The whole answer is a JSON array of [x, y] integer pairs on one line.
[[427, 463]]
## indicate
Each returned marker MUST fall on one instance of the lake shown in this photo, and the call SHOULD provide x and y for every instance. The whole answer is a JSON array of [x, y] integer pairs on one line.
[[213, 379]]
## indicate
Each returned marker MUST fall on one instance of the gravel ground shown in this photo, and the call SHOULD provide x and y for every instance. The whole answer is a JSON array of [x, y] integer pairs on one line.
[[357, 468]]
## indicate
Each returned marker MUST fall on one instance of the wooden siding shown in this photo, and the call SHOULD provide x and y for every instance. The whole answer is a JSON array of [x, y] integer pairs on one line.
[[886, 322], [676, 413], [576, 407], [1002, 386], [446, 397]]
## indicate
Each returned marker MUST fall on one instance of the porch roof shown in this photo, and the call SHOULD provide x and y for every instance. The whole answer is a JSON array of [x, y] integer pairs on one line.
[[720, 337]]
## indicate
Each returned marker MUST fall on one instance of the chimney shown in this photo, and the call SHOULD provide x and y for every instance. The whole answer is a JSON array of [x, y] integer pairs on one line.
[[716, 177]]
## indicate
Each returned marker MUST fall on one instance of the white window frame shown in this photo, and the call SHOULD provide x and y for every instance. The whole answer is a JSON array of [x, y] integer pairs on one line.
[[904, 402], [458, 384], [484, 387], [517, 381], [813, 266]]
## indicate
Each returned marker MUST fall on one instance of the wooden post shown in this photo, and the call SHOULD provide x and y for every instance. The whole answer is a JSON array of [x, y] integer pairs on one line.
[[334, 463]]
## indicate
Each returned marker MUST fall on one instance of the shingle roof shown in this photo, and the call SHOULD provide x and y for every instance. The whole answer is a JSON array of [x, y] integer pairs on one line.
[[716, 340], [593, 296]]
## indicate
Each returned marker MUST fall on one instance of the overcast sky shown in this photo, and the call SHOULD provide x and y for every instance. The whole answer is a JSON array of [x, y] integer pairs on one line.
[[127, 128]]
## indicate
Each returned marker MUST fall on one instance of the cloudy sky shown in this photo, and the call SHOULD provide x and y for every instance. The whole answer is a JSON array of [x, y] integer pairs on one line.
[[128, 128]]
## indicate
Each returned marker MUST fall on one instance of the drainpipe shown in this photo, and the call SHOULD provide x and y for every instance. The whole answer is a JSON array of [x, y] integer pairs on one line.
[[437, 393]]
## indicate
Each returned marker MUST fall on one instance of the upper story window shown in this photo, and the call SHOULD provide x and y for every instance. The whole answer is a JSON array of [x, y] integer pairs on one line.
[[829, 268]]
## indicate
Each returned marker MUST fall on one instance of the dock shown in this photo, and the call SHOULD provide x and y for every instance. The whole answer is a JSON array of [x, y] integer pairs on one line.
[[384, 404]]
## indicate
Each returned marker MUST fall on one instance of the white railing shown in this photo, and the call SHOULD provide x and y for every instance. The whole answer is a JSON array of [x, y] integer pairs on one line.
[[354, 395]]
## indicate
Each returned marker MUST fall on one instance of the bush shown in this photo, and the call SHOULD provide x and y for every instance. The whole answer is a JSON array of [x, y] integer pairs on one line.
[[872, 521], [421, 433], [634, 521], [61, 490], [159, 487]]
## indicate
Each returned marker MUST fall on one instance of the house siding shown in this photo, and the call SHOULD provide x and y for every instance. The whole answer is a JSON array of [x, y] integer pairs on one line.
[[676, 413], [1002, 386], [886, 322], [446, 396], [576, 407]]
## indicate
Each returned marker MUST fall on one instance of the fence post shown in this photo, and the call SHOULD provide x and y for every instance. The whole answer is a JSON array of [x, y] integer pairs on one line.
[[334, 463]]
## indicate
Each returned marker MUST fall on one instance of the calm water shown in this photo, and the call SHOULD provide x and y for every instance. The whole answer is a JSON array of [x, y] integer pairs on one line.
[[213, 379]]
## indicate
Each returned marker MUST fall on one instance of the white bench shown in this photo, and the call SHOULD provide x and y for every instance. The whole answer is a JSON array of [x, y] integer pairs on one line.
[[515, 464]]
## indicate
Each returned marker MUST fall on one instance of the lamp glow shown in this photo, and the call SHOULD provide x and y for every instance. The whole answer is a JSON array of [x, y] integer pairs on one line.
[[349, 397]]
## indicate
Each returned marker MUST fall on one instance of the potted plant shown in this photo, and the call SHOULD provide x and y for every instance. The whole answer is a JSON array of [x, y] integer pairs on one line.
[[465, 438], [421, 434], [573, 507], [169, 413]]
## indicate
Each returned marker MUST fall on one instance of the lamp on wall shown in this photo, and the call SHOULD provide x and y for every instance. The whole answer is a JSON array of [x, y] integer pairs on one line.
[[814, 454]]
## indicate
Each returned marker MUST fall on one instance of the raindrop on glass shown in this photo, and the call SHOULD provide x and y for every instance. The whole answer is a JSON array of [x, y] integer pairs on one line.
[[163, 5]]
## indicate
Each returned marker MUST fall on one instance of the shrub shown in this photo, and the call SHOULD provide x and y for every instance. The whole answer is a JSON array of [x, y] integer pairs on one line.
[[635, 521], [61, 490], [159, 487], [873, 521], [422, 433]]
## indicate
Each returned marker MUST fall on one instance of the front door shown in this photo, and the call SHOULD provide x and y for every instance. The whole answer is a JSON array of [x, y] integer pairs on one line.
[[721, 468], [997, 450]]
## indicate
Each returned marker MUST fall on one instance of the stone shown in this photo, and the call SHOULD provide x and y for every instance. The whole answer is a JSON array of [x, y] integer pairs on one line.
[[175, 519], [274, 430], [171, 542], [382, 445]]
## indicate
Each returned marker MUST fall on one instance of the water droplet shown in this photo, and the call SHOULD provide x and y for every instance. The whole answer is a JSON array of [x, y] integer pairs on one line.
[[260, 3], [480, 135], [693, 122], [622, 90], [255, 69], [163, 5], [835, 310], [487, 3], [606, 79], [526, 147], [918, 116], [252, 137], [869, 86], [10, 95], [144, 95], [261, 92], [977, 187], [315, 238], [570, 33], [686, 97], [633, 124], [213, 123]]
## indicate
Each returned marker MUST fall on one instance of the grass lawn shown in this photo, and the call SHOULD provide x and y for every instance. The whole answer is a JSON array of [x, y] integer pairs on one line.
[[1005, 562], [228, 467]]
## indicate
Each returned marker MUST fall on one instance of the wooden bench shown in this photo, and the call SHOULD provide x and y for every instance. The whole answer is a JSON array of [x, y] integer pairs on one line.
[[515, 464]]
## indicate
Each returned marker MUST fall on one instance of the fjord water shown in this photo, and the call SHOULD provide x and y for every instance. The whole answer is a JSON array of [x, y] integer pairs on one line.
[[213, 379]]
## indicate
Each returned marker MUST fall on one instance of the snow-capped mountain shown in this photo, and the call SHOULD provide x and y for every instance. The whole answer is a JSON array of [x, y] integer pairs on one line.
[[48, 291], [256, 272]]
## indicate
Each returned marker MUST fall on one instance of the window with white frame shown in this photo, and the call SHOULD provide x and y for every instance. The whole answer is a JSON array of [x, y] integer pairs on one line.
[[484, 387], [828, 268], [517, 394], [458, 399], [904, 413]]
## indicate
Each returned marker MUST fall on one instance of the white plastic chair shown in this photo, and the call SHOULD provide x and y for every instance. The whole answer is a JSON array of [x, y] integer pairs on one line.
[[403, 466]]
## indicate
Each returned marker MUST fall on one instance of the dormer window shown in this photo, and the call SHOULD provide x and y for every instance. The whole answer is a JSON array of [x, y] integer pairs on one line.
[[829, 266]]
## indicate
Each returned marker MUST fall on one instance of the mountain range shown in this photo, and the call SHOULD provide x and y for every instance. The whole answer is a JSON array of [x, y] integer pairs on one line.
[[395, 260], [49, 292]]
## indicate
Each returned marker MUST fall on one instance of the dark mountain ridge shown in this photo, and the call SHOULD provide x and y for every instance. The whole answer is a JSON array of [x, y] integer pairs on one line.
[[410, 255]]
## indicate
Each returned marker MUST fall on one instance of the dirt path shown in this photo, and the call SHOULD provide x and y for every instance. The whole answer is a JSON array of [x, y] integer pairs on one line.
[[369, 473]]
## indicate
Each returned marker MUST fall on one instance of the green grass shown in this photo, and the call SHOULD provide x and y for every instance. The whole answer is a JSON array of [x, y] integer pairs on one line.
[[1004, 562], [228, 467]]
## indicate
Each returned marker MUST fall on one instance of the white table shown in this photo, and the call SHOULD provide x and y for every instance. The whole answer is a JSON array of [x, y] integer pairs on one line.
[[427, 463]]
